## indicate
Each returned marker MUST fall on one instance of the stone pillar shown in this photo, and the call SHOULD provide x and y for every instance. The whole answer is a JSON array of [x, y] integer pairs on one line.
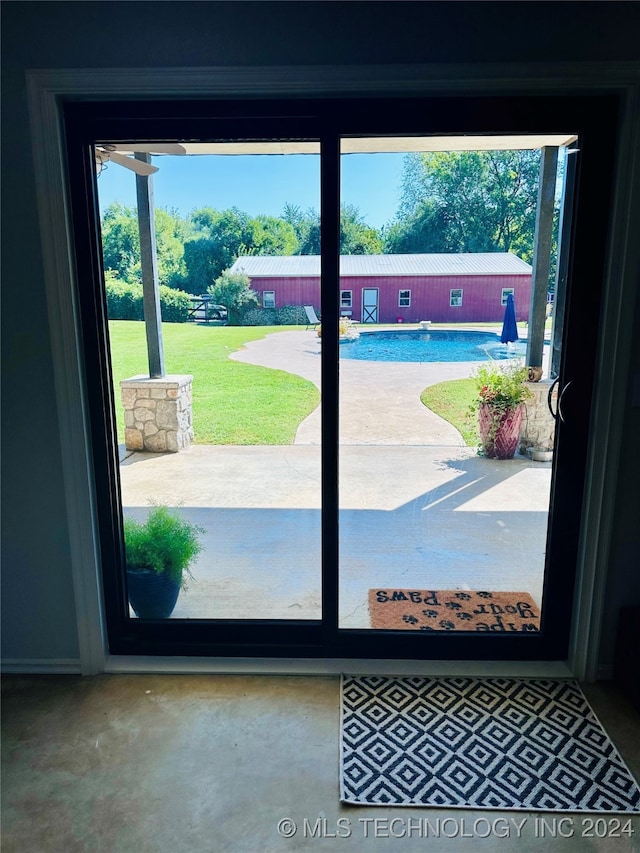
[[538, 426], [157, 413]]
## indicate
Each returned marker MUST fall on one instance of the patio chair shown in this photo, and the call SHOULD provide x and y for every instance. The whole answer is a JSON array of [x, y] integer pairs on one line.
[[312, 317]]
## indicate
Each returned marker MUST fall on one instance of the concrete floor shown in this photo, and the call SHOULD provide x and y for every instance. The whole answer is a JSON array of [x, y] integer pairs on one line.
[[210, 764], [418, 509]]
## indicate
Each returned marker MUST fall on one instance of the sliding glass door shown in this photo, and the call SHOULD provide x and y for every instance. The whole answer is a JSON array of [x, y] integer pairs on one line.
[[249, 475], [435, 535], [306, 422]]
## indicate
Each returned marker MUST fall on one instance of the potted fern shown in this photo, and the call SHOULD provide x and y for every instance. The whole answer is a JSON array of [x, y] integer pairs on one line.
[[158, 555], [501, 394]]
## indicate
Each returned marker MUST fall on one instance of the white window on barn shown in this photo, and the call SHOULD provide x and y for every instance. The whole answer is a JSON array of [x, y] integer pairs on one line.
[[346, 299], [505, 292], [404, 299], [455, 297], [268, 299]]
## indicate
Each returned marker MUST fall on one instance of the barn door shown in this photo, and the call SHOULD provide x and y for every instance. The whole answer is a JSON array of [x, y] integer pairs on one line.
[[369, 304]]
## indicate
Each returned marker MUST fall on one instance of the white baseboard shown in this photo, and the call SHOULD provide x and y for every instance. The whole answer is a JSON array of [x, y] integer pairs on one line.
[[40, 666]]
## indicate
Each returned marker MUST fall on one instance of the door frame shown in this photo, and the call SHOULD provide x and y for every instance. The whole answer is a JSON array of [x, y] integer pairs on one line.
[[47, 93], [331, 120]]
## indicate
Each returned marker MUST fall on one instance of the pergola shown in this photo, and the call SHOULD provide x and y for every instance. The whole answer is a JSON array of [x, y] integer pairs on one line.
[[549, 145]]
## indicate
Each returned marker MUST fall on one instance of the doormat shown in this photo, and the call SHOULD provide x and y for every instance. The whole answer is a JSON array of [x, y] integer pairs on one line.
[[452, 610], [478, 743]]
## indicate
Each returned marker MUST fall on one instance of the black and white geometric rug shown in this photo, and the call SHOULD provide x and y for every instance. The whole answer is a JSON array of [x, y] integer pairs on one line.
[[479, 743]]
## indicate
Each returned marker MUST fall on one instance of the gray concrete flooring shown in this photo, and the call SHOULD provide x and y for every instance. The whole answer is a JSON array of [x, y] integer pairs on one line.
[[212, 764], [418, 508]]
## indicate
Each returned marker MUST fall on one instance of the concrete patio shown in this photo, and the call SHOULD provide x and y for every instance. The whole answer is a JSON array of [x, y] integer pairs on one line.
[[418, 508]]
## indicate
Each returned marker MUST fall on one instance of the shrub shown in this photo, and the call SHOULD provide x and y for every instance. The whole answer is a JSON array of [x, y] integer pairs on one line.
[[292, 315], [260, 317], [124, 302], [233, 290], [346, 328], [288, 315], [174, 305]]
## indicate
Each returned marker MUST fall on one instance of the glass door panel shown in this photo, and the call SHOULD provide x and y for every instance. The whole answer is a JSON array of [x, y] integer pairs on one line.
[[435, 535], [227, 439]]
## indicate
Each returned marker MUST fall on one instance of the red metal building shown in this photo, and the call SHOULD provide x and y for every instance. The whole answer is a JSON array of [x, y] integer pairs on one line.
[[457, 288]]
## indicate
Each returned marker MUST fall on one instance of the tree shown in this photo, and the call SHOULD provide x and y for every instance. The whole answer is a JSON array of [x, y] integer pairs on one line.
[[200, 263], [306, 227], [467, 201], [171, 232], [272, 236], [233, 290], [121, 244], [422, 231], [221, 236], [356, 237]]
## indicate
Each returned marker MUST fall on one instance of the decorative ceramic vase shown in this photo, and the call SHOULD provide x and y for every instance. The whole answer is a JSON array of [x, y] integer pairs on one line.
[[152, 595], [499, 430]]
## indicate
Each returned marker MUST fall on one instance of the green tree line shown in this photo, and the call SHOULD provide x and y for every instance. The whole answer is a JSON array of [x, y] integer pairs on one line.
[[470, 201]]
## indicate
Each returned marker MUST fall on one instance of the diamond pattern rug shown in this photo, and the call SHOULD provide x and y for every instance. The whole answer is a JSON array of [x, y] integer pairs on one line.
[[480, 743]]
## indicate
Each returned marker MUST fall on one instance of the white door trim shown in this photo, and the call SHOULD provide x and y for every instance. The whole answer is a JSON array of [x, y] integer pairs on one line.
[[47, 91]]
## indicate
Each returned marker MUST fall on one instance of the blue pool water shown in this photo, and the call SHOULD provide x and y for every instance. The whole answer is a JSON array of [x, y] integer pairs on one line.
[[430, 346]]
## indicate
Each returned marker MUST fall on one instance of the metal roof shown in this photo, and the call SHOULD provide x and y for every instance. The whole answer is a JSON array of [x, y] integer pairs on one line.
[[476, 263]]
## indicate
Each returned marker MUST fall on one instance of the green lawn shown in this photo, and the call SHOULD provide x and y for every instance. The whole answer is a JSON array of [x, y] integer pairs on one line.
[[452, 400], [233, 403]]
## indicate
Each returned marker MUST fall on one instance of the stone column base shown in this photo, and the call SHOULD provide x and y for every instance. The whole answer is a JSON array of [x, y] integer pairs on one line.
[[538, 427], [157, 413]]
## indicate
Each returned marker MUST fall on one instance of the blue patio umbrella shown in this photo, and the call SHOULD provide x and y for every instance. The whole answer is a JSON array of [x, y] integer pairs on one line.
[[509, 328]]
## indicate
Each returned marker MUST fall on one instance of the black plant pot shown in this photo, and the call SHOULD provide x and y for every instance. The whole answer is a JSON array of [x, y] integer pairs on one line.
[[152, 595]]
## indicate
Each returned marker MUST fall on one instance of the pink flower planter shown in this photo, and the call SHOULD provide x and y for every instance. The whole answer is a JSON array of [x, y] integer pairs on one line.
[[499, 433]]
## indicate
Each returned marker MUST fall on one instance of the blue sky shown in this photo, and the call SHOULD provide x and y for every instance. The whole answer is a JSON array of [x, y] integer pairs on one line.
[[262, 183]]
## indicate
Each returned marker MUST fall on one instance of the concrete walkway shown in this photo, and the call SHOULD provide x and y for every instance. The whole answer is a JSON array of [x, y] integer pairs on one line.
[[379, 401], [418, 509]]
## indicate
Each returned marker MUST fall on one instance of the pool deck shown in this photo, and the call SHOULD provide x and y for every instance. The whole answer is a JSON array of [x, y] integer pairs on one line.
[[418, 508]]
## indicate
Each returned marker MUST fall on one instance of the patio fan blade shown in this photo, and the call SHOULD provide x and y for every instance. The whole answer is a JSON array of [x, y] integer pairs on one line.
[[118, 153], [104, 155], [137, 166]]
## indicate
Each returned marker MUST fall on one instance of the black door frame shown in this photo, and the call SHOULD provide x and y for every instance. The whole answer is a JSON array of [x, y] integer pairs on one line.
[[593, 118]]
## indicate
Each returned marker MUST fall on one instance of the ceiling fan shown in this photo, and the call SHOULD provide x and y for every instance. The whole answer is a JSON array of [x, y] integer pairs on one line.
[[119, 153]]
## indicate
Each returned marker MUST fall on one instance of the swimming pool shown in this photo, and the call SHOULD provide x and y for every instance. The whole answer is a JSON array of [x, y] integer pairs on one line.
[[430, 346]]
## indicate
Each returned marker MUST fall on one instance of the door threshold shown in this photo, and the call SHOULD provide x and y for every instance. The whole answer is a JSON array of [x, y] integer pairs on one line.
[[311, 666]]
